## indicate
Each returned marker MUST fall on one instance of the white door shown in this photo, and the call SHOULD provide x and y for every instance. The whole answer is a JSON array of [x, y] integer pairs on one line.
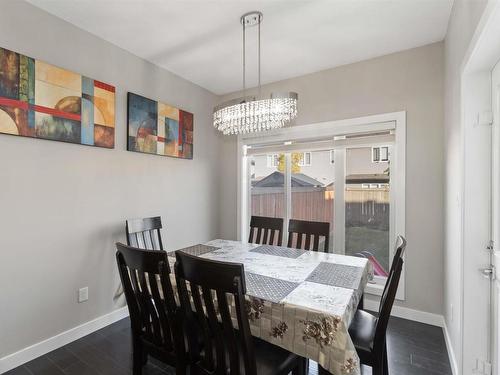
[[476, 326], [480, 115], [495, 221]]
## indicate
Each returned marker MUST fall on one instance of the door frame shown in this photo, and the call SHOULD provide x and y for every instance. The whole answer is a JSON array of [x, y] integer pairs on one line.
[[385, 121], [476, 108], [495, 216]]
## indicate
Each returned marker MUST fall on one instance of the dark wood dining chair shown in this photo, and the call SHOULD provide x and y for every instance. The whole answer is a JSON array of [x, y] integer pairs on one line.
[[306, 234], [367, 331], [228, 350], [266, 230], [154, 315], [145, 233]]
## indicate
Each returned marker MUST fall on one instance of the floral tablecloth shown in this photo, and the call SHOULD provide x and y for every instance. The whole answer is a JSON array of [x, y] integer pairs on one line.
[[300, 300]]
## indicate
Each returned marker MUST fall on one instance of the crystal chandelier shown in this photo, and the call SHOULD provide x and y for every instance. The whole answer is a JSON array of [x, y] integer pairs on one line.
[[250, 114]]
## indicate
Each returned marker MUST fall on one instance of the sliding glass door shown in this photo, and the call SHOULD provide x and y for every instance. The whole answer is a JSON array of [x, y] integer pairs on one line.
[[345, 182], [311, 191], [367, 206], [267, 185]]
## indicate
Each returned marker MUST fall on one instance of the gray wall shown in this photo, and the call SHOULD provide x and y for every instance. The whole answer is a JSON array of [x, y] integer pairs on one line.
[[410, 80], [463, 22], [63, 206]]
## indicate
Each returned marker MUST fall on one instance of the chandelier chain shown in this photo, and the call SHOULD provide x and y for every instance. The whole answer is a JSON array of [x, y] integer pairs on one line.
[[244, 61], [260, 90]]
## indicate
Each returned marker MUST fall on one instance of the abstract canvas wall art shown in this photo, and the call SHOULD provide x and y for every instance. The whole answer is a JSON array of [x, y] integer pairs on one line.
[[40, 100], [158, 128]]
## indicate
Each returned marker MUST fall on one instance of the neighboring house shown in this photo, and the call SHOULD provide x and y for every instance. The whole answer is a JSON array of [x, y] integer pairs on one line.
[[277, 179], [318, 165], [368, 181]]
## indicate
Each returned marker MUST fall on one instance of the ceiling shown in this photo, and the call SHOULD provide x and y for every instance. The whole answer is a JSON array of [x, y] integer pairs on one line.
[[201, 40]]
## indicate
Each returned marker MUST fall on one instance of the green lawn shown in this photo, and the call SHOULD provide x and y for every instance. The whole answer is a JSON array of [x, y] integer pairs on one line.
[[372, 240]]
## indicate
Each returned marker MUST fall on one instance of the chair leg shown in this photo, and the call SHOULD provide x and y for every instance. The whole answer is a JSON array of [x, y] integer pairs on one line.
[[386, 362], [181, 370], [378, 368], [138, 357], [301, 368]]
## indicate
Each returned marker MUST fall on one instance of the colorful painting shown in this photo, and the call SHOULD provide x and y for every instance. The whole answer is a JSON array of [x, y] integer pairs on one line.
[[40, 100], [158, 128]]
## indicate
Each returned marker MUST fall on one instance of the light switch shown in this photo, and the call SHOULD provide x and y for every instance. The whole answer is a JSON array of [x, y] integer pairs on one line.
[[83, 294]]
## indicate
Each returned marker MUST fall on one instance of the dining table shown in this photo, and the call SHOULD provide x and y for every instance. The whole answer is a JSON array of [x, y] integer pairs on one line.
[[302, 301]]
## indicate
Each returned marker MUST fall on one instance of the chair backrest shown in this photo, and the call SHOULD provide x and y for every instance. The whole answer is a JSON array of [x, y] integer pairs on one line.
[[145, 276], [215, 286], [266, 230], [145, 233], [399, 249], [300, 234], [389, 293]]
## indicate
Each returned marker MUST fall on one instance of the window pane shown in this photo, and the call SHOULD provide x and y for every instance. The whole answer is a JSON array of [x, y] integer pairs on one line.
[[367, 208], [312, 189], [303, 158], [307, 158], [384, 154], [267, 189], [272, 160]]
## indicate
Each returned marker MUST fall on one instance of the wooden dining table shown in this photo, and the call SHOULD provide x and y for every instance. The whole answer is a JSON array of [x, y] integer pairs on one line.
[[302, 301]]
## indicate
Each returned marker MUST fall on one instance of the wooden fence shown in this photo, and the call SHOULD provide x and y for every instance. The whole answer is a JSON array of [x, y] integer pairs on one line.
[[364, 207]]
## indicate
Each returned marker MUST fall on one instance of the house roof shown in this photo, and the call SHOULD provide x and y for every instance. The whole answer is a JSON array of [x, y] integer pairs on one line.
[[367, 179], [277, 179]]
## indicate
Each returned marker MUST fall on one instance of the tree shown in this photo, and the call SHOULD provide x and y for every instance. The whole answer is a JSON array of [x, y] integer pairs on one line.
[[296, 159]]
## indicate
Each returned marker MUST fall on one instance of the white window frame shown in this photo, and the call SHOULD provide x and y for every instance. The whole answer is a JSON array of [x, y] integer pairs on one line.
[[395, 122], [274, 158], [380, 160], [302, 162]]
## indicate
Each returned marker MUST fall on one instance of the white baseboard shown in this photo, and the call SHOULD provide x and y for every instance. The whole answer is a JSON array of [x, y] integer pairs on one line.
[[31, 352], [451, 352], [410, 314]]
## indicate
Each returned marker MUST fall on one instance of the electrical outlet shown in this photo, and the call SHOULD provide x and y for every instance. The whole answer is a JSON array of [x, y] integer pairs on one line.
[[83, 294]]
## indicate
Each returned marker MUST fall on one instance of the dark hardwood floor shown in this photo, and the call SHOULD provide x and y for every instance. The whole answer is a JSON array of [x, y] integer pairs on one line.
[[414, 349]]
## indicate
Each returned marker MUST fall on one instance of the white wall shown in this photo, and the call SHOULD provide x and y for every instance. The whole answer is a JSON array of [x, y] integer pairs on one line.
[[410, 80], [463, 22], [63, 206]]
